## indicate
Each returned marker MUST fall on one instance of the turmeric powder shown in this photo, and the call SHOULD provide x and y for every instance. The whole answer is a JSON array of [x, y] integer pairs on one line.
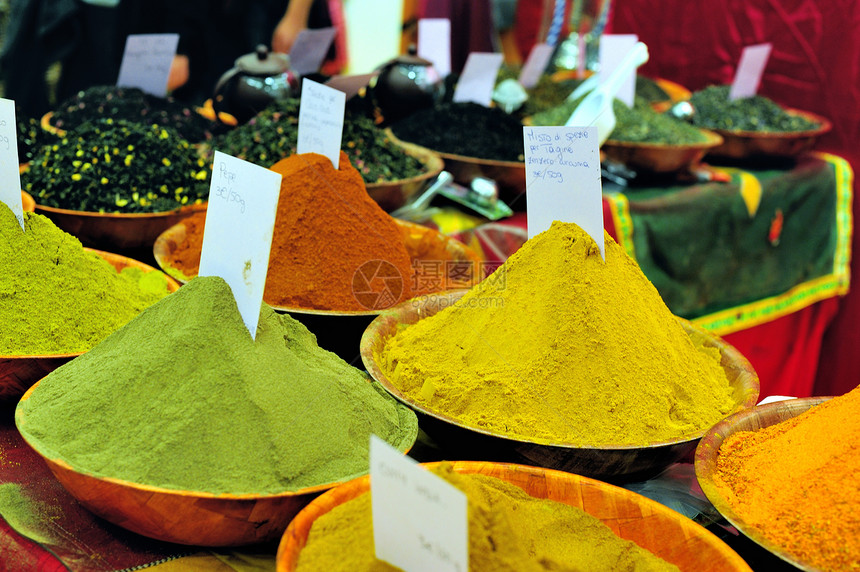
[[796, 483], [558, 346]]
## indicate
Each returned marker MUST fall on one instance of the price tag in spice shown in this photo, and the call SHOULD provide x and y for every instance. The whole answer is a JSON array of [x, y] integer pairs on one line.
[[420, 521], [535, 65], [563, 179], [321, 120], [10, 178], [613, 49], [434, 43], [749, 72], [240, 220], [351, 85], [476, 82], [310, 48], [146, 62]]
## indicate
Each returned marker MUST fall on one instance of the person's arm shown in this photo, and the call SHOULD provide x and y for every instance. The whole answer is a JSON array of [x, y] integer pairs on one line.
[[294, 21]]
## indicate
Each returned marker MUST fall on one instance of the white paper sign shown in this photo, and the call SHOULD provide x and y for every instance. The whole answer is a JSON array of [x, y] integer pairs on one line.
[[237, 238], [310, 48], [749, 72], [146, 62], [10, 178], [535, 65], [321, 120], [350, 84], [420, 521], [563, 179], [476, 82], [434, 43], [613, 48]]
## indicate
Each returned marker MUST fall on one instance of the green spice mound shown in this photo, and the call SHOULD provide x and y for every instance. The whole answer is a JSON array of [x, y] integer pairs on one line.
[[182, 398], [756, 113], [637, 124], [118, 166], [57, 298], [508, 531], [271, 135], [558, 346]]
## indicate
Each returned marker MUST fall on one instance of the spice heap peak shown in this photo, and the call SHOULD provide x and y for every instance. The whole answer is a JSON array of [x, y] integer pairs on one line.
[[559, 347]]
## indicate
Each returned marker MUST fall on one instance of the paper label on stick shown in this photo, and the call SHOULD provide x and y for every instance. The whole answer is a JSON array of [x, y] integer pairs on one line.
[[310, 48], [420, 521], [10, 178], [350, 85], [563, 179], [613, 49], [476, 82], [535, 65], [749, 72], [321, 120], [434, 43], [146, 62], [237, 238]]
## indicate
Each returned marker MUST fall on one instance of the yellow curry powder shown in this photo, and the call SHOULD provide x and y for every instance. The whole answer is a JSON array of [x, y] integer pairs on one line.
[[796, 483], [508, 531], [559, 346]]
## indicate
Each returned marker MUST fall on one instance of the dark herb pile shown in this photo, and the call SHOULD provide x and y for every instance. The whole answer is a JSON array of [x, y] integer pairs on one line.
[[639, 124], [272, 134], [650, 90], [131, 104], [31, 137], [465, 129], [118, 166], [756, 113]]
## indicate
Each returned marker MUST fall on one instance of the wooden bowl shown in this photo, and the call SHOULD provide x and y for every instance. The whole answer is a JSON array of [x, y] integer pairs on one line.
[[660, 157], [748, 144], [708, 451], [620, 464], [17, 373], [510, 176], [657, 528], [27, 202], [391, 195], [182, 517]]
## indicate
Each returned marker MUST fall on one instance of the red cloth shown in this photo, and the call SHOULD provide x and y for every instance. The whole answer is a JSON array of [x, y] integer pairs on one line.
[[814, 66], [471, 26]]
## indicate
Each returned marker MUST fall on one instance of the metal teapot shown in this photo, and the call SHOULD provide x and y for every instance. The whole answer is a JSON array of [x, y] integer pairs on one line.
[[256, 80], [406, 84]]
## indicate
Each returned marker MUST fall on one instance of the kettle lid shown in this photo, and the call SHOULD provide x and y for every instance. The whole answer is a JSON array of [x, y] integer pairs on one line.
[[263, 62], [409, 59]]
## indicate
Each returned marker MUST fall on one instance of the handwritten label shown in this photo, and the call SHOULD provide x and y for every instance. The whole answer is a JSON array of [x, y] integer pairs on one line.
[[321, 120], [535, 65], [613, 49], [749, 72], [420, 522], [146, 62], [434, 43], [350, 84], [240, 219], [478, 78], [10, 178], [310, 48], [563, 179]]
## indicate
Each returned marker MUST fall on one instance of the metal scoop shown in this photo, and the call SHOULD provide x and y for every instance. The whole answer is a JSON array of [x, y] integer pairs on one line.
[[596, 107]]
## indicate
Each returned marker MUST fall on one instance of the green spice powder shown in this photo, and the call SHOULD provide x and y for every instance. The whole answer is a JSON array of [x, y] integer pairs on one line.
[[183, 398], [56, 297]]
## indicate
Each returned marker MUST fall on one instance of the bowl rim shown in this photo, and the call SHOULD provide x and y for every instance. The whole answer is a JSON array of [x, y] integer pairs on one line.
[[373, 369], [824, 126], [713, 139], [176, 492], [123, 216], [361, 485], [431, 160], [706, 455]]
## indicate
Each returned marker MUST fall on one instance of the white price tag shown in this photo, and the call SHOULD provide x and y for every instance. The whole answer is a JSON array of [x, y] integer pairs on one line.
[[476, 82], [434, 43], [420, 521], [563, 179], [535, 65], [10, 178], [613, 49], [146, 62], [350, 84], [749, 72], [309, 49], [321, 120], [237, 239]]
